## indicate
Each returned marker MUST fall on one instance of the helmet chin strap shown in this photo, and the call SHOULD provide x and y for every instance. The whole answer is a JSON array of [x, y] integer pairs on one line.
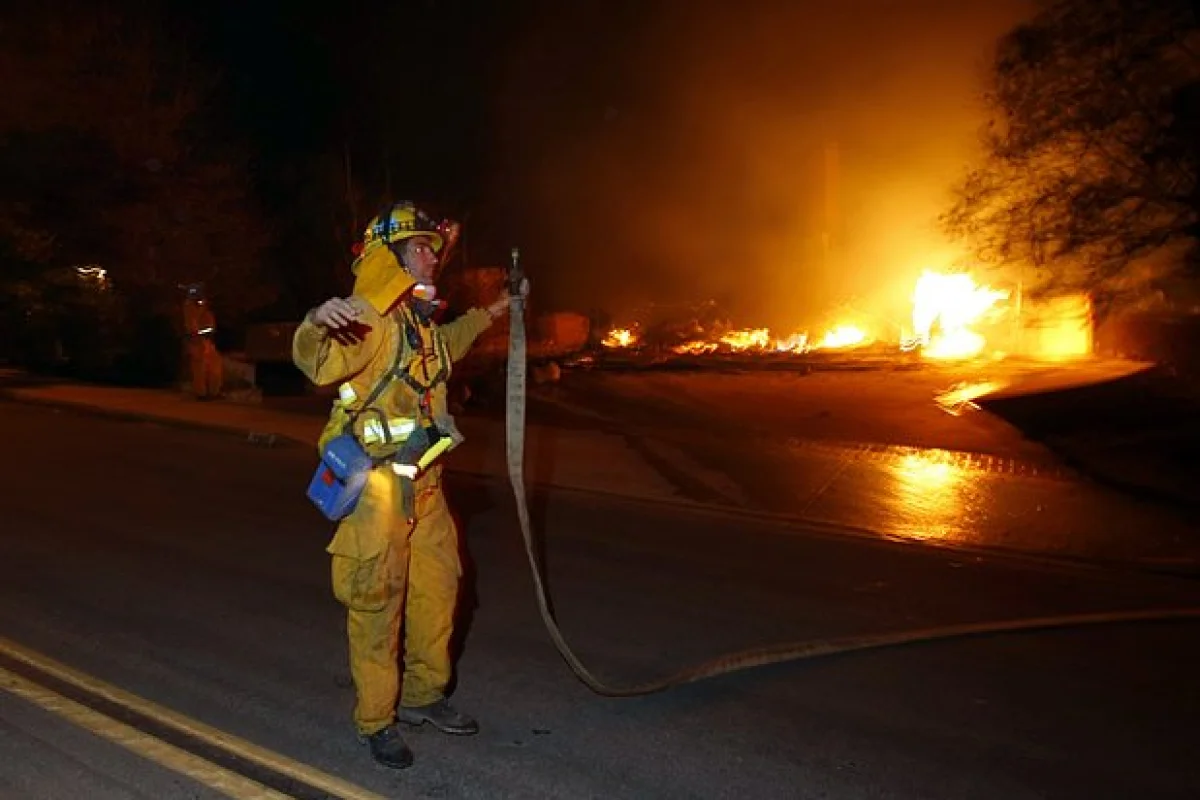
[[426, 310], [424, 300]]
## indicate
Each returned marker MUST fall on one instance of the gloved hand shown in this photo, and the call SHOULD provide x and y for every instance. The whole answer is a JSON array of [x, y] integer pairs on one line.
[[501, 305], [336, 312]]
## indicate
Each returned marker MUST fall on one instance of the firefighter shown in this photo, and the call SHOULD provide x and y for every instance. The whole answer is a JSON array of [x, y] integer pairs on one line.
[[200, 327], [395, 558]]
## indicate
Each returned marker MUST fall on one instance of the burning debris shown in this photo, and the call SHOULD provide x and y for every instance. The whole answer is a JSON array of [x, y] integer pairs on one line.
[[796, 343], [953, 318], [944, 308]]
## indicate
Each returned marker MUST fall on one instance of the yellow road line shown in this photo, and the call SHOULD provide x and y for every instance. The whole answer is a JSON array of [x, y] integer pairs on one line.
[[167, 755], [246, 750]]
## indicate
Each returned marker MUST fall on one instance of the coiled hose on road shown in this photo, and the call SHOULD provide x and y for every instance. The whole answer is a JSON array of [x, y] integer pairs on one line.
[[745, 659]]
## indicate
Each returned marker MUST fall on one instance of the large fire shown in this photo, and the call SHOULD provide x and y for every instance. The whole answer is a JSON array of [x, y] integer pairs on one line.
[[947, 309]]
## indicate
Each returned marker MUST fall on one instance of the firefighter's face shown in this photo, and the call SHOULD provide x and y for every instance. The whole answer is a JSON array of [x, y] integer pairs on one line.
[[420, 258]]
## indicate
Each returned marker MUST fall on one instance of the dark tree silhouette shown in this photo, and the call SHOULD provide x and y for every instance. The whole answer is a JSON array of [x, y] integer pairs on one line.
[[1089, 179], [106, 158]]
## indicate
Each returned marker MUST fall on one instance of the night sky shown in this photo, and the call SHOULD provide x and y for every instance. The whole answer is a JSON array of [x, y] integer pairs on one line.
[[655, 151]]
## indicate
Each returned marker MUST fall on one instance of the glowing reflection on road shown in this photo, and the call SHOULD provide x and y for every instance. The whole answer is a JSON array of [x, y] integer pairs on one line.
[[928, 492]]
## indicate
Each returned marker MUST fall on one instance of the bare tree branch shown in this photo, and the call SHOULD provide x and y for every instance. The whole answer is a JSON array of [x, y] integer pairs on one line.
[[1092, 151]]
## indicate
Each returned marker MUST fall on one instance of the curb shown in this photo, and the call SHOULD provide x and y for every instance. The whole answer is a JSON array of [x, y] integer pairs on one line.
[[255, 437]]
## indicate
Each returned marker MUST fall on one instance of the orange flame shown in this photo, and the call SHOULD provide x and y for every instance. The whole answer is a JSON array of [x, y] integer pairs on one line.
[[737, 341], [620, 338], [695, 348], [953, 303], [760, 340], [756, 339], [842, 337], [796, 343]]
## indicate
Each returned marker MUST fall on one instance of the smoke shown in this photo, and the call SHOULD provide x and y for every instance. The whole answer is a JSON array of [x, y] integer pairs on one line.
[[783, 158]]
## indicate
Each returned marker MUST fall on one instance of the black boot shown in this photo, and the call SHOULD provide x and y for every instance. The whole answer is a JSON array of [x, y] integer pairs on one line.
[[440, 715], [388, 747]]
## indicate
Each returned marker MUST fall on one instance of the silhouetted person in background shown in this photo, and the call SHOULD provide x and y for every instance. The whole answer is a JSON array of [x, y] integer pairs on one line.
[[199, 330]]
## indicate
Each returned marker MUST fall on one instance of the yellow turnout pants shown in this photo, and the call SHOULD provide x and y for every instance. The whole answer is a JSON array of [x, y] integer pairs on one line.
[[390, 574]]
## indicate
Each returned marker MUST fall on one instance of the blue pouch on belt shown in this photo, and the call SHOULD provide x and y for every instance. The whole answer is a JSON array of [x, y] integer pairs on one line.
[[340, 477]]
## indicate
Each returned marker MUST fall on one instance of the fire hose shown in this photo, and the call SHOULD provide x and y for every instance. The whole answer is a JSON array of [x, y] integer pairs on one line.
[[745, 659]]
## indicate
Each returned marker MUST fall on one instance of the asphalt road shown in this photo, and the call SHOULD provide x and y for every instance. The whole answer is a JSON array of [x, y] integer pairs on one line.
[[869, 451], [186, 568]]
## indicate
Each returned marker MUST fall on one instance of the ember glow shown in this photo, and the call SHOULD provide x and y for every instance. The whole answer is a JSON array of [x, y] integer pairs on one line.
[[945, 307]]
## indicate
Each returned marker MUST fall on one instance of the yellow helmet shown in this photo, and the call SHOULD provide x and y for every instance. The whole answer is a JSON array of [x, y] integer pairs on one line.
[[398, 222]]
